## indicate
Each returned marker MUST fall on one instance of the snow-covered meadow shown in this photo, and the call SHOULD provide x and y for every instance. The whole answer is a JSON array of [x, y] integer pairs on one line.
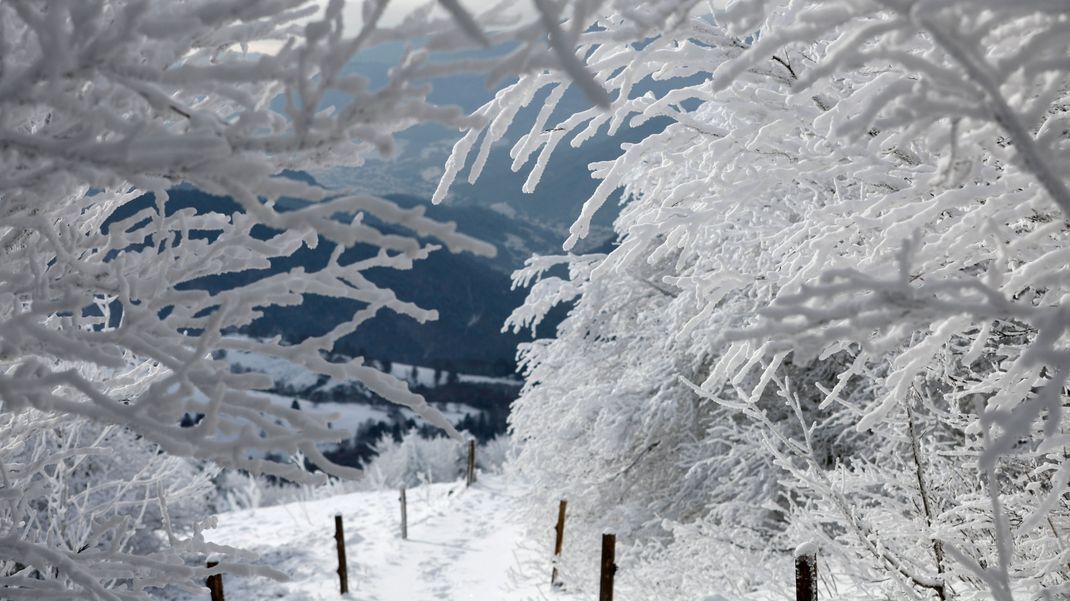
[[360, 409], [287, 374]]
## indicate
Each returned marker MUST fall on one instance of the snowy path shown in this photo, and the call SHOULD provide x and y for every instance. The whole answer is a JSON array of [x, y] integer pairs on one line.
[[463, 545]]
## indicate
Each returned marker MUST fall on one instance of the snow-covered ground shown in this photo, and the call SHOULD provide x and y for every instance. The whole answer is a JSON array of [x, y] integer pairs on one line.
[[342, 416], [296, 384], [301, 378], [350, 416], [464, 544]]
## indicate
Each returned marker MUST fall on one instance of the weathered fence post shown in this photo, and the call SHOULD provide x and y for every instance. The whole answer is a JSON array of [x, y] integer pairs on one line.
[[215, 583], [404, 516], [558, 541], [340, 542], [471, 473], [609, 567], [806, 572]]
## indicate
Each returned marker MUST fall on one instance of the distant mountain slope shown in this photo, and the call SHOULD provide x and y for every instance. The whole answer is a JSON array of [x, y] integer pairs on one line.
[[515, 235], [472, 294], [477, 405]]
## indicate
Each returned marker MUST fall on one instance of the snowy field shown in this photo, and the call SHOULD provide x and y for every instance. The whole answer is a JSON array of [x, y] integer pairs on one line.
[[464, 544], [300, 378], [350, 416]]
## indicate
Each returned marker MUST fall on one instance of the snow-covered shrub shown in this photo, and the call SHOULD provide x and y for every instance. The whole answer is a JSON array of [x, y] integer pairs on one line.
[[492, 456], [72, 487], [413, 461], [837, 305], [239, 490], [416, 460]]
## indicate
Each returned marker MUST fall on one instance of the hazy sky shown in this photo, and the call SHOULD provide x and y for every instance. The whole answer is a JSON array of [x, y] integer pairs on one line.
[[397, 9], [395, 12]]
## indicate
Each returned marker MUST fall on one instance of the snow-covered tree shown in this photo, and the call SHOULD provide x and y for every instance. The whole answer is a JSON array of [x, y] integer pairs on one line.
[[106, 317], [837, 305]]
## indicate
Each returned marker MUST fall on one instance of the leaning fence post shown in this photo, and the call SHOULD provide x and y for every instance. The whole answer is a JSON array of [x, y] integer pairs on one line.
[[806, 572], [215, 583], [609, 568], [471, 473], [558, 541], [404, 516], [340, 542]]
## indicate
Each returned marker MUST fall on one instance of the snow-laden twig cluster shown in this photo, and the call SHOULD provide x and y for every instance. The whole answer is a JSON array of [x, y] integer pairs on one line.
[[96, 512], [837, 307]]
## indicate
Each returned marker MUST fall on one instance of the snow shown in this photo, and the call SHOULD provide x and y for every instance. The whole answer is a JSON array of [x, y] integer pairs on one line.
[[456, 412], [350, 416], [342, 416], [807, 548], [464, 544], [473, 379], [425, 376], [301, 378], [281, 370], [290, 377]]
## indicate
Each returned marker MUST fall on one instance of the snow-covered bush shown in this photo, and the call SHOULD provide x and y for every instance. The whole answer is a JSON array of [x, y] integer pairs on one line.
[[416, 460], [72, 487], [239, 490], [837, 306], [413, 461], [493, 455]]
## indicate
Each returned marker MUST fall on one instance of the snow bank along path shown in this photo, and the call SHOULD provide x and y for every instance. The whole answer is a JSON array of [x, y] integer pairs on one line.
[[463, 545]]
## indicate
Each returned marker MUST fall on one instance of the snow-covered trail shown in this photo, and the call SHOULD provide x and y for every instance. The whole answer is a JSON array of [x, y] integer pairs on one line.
[[464, 544]]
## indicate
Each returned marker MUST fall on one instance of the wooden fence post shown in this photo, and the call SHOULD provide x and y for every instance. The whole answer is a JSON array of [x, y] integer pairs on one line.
[[609, 567], [340, 542], [559, 541], [806, 572], [404, 516], [471, 474], [215, 583]]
